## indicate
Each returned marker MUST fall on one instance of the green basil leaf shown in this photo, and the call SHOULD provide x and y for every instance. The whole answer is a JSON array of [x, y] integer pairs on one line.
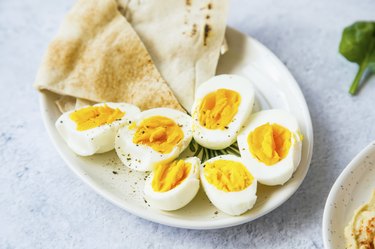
[[358, 45]]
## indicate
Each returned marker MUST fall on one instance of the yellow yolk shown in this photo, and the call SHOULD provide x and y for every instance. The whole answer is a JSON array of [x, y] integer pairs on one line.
[[168, 176], [219, 108], [94, 116], [160, 133], [132, 126], [228, 176], [270, 143]]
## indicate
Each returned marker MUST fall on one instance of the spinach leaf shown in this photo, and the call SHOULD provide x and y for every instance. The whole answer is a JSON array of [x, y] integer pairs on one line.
[[358, 45]]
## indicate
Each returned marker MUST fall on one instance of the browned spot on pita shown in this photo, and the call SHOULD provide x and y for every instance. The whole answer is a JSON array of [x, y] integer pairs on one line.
[[207, 30], [194, 29]]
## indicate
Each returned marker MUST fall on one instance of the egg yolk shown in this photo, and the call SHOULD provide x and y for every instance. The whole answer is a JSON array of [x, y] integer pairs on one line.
[[218, 109], [94, 116], [270, 143], [168, 176], [228, 176], [160, 133]]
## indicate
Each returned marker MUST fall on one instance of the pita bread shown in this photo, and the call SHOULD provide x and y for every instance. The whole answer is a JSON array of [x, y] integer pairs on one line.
[[69, 103], [83, 102], [66, 103], [97, 56], [184, 38]]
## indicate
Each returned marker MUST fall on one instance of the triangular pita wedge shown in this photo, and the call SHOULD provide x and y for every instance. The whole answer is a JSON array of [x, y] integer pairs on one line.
[[97, 56], [184, 38]]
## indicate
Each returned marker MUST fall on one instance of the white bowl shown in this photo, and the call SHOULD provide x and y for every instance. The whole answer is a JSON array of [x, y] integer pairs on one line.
[[352, 189]]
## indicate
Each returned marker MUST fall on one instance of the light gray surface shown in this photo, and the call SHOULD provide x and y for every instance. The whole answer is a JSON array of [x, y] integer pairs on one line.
[[44, 205]]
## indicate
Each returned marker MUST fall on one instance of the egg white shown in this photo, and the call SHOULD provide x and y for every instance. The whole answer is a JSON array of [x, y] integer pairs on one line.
[[180, 195], [220, 139], [232, 203], [96, 140], [282, 171], [142, 157]]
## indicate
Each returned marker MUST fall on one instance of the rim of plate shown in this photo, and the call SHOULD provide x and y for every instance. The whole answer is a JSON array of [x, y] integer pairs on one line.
[[175, 222], [332, 196]]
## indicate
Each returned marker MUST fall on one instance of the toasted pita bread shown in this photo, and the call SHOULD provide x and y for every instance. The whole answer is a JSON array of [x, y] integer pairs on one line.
[[97, 56], [184, 38]]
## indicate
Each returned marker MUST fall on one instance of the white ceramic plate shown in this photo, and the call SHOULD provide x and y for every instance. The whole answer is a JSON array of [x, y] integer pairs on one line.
[[352, 189], [276, 88]]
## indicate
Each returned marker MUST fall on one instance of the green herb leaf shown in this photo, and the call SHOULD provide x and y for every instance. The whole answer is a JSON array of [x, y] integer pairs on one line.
[[206, 154], [358, 45]]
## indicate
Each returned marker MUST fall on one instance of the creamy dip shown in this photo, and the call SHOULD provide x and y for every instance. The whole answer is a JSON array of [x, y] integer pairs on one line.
[[360, 232]]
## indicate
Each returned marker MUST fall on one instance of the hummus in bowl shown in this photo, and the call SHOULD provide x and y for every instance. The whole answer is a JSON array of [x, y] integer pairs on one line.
[[360, 232]]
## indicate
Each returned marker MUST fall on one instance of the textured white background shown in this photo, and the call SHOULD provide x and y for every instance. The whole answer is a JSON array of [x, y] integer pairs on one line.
[[44, 205]]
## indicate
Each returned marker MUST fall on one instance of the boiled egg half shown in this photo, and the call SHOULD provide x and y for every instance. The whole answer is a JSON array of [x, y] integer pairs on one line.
[[222, 104], [271, 145], [157, 135], [172, 185], [92, 129], [229, 184]]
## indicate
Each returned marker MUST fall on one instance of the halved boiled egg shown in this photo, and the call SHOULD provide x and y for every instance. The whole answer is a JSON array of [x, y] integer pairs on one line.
[[229, 184], [92, 129], [156, 136], [271, 145], [222, 104], [173, 185]]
